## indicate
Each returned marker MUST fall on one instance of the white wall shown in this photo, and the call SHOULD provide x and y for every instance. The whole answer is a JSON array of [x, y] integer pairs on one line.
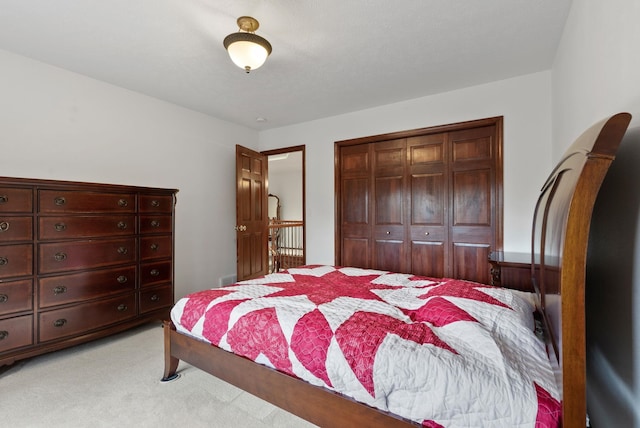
[[597, 73], [525, 103], [55, 124], [597, 68], [286, 183]]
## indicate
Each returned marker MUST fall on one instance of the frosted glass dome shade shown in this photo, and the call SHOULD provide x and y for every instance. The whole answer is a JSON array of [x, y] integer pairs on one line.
[[247, 50]]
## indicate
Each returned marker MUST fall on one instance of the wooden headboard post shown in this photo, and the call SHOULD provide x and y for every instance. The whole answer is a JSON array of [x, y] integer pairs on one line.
[[559, 252]]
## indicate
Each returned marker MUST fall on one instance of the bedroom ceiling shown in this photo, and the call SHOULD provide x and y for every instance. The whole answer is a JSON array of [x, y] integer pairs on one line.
[[329, 57]]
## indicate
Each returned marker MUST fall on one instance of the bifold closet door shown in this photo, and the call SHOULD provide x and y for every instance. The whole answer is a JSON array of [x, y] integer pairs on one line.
[[428, 189], [389, 206], [474, 201], [425, 204], [354, 216]]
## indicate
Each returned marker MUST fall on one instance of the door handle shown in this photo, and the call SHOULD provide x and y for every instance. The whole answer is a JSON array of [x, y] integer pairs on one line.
[[240, 228]]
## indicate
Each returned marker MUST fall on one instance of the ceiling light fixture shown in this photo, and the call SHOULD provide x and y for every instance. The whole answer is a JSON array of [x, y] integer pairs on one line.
[[246, 49]]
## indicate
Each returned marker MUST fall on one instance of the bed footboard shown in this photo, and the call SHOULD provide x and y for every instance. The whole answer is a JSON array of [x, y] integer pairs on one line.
[[317, 405]]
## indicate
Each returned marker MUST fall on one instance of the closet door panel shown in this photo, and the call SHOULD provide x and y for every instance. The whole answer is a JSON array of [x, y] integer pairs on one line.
[[355, 201], [389, 202], [355, 252], [388, 254], [473, 144], [473, 201], [427, 258], [389, 157], [428, 204], [427, 199], [472, 197], [354, 160], [470, 262], [426, 150]]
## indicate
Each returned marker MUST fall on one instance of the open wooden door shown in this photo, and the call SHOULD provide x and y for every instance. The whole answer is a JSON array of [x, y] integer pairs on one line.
[[251, 213]]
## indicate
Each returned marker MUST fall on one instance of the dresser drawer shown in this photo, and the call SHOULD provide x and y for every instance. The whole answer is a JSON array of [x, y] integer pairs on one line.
[[60, 257], [156, 298], [156, 247], [16, 200], [57, 201], [16, 296], [85, 317], [155, 273], [86, 226], [58, 290], [156, 224], [16, 332], [16, 229], [156, 204], [16, 260]]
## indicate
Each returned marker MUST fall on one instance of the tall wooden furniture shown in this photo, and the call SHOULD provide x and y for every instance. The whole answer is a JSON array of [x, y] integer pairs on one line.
[[79, 261], [427, 201]]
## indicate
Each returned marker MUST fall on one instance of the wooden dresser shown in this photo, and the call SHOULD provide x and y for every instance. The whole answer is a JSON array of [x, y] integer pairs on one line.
[[80, 261]]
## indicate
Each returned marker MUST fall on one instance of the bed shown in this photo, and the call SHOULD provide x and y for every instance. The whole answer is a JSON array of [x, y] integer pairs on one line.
[[384, 349]]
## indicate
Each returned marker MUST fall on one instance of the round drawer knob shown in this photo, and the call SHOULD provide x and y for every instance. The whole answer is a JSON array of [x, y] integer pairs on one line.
[[4, 261], [60, 257], [4, 199], [155, 298], [3, 298], [155, 223], [60, 227], [4, 226], [59, 322], [60, 289], [122, 225], [4, 334], [59, 201], [122, 279], [122, 307], [122, 250], [154, 272], [155, 203], [123, 203], [154, 247]]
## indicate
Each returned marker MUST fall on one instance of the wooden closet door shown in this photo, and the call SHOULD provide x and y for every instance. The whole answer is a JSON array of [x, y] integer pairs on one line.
[[354, 205], [426, 201], [428, 184], [389, 206], [472, 201]]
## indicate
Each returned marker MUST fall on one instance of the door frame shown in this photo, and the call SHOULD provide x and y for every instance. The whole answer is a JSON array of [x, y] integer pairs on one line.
[[291, 149]]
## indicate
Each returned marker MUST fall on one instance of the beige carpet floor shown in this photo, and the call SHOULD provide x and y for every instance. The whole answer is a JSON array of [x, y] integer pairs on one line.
[[115, 382]]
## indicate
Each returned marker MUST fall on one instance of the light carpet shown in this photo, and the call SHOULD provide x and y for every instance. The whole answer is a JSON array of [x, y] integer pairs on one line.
[[115, 382]]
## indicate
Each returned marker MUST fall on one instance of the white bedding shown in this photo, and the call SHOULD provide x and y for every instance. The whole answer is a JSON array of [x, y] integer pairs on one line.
[[441, 352]]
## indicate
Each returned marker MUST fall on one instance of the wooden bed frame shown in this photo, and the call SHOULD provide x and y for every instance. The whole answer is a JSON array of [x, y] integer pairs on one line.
[[559, 244]]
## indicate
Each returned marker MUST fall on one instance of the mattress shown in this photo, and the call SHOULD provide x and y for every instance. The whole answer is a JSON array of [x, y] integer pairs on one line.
[[441, 352]]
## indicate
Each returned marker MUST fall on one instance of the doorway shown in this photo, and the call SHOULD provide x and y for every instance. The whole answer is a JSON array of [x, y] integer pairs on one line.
[[286, 195]]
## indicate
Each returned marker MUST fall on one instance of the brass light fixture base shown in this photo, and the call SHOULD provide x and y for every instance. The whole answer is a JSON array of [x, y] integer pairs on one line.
[[248, 24]]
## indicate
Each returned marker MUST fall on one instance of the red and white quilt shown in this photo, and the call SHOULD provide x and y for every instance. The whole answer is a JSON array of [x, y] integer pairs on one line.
[[441, 352]]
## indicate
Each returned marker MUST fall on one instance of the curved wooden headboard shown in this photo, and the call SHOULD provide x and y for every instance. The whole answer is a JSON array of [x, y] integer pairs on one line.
[[559, 251]]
